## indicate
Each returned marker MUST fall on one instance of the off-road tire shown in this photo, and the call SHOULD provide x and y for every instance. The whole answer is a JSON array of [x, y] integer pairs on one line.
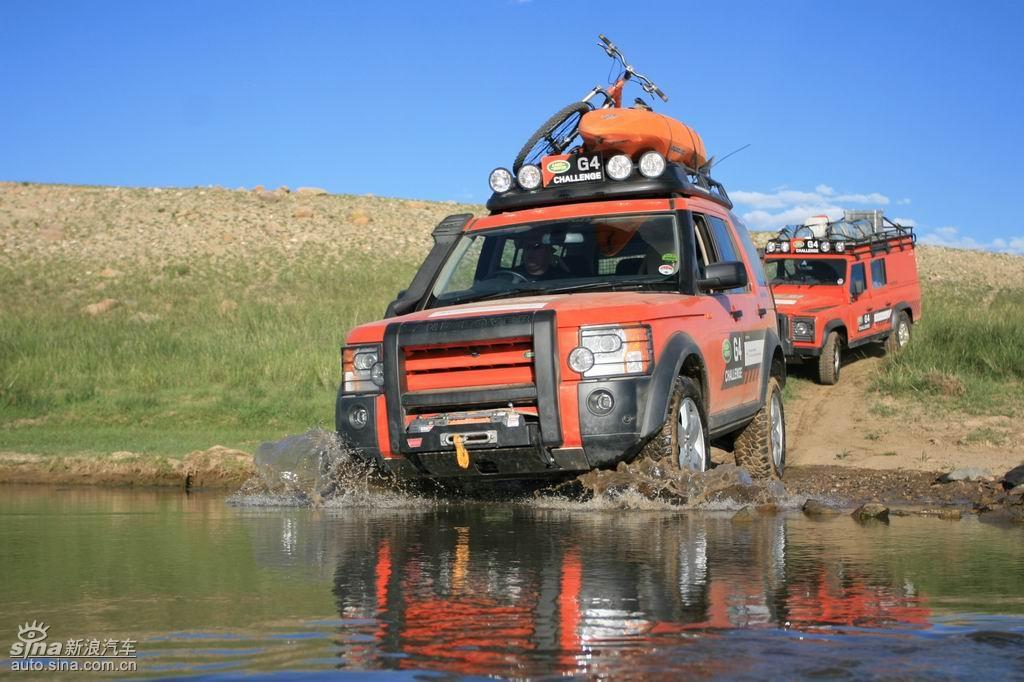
[[753, 446], [546, 128], [828, 366], [892, 342], [664, 446]]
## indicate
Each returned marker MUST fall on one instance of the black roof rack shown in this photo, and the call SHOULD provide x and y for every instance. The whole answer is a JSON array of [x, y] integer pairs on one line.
[[677, 179], [855, 229]]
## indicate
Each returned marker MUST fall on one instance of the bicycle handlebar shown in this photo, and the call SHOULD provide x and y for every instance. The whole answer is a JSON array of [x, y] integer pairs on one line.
[[615, 53]]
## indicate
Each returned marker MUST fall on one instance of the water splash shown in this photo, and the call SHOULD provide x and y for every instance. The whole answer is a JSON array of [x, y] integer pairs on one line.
[[646, 484], [316, 468]]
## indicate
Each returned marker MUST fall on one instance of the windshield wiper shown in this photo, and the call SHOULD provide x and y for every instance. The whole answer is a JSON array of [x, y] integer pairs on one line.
[[603, 284]]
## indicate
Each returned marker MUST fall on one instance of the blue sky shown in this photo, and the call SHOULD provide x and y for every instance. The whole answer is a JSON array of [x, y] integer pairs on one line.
[[914, 107]]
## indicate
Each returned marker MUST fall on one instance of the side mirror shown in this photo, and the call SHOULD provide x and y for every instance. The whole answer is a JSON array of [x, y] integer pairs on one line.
[[857, 287], [722, 276]]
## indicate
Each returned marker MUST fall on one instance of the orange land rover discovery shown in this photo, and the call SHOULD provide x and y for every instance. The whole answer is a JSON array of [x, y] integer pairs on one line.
[[580, 324]]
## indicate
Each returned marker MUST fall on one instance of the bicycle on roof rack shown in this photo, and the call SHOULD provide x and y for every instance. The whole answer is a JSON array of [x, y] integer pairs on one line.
[[558, 133]]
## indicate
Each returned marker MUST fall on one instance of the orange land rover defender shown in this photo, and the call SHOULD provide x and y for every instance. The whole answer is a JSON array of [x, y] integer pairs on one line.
[[608, 311], [844, 284]]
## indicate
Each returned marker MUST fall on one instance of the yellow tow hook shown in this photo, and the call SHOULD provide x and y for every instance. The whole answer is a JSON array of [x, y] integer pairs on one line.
[[461, 453]]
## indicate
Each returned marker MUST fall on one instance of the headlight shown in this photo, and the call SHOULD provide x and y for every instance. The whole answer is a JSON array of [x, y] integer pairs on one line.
[[529, 177], [619, 167], [803, 329], [652, 164], [612, 351], [581, 360], [361, 369], [500, 180]]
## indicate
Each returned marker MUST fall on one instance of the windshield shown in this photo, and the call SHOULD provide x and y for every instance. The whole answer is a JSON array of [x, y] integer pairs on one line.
[[565, 255], [824, 271]]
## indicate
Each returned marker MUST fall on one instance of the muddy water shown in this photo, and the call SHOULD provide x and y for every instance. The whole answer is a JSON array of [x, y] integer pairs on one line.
[[510, 590]]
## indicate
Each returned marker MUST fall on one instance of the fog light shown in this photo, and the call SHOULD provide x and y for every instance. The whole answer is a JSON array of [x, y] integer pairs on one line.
[[529, 177], [500, 180], [619, 167], [358, 417], [600, 402], [652, 164], [581, 360]]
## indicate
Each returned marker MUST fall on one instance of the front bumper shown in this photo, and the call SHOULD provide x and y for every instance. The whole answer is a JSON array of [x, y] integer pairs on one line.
[[514, 452]]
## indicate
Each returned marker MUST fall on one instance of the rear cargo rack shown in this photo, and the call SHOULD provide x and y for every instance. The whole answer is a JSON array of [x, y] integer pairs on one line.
[[678, 179]]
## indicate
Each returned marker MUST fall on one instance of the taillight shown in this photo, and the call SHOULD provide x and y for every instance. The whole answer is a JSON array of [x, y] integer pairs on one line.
[[612, 351], [362, 370]]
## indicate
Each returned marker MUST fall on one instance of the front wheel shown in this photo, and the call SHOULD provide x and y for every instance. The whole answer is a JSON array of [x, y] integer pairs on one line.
[[830, 360], [554, 136], [683, 440], [761, 445], [900, 336]]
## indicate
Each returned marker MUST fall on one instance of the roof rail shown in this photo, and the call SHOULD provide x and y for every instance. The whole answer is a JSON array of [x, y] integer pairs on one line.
[[678, 179]]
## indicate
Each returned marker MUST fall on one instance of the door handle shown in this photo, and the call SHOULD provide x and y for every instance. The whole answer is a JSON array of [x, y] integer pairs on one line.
[[736, 314], [761, 312]]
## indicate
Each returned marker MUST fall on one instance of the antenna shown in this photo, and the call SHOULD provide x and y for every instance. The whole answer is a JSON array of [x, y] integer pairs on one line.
[[711, 165]]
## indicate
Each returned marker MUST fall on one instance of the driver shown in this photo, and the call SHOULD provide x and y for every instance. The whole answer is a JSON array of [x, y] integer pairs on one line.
[[539, 261]]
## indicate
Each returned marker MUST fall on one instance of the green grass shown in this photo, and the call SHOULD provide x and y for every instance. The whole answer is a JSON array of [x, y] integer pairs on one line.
[[965, 354], [196, 354]]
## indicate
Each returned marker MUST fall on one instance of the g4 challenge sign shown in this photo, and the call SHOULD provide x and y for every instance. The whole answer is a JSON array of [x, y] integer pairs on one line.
[[33, 651], [743, 355]]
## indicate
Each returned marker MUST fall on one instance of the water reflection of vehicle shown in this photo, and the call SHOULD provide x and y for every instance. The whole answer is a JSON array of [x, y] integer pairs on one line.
[[486, 591]]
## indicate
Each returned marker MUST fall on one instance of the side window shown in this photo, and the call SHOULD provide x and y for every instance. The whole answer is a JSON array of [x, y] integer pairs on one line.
[[753, 257], [878, 273], [724, 244], [858, 283], [702, 238], [718, 243], [508, 255]]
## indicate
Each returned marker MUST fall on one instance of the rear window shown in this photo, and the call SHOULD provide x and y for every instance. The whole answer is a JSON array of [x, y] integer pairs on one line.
[[878, 274]]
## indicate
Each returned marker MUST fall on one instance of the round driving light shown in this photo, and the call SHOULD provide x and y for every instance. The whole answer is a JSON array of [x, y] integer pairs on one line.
[[619, 167], [500, 180], [364, 361], [652, 164], [358, 417], [600, 402], [377, 374], [581, 360], [801, 329], [528, 177]]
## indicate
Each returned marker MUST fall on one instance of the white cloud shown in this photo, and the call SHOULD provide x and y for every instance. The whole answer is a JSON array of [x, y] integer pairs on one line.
[[784, 206], [950, 236]]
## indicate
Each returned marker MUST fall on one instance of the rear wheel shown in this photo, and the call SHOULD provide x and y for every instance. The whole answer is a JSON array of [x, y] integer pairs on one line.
[[830, 360], [761, 445], [900, 336], [683, 439], [553, 137]]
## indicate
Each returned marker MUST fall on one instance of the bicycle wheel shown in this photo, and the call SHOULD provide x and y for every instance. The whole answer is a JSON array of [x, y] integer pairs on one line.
[[554, 137]]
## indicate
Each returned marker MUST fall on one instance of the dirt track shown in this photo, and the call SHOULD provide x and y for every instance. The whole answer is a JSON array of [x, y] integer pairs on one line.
[[848, 424]]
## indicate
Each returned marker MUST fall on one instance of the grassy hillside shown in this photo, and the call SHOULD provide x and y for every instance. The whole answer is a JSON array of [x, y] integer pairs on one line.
[[164, 321]]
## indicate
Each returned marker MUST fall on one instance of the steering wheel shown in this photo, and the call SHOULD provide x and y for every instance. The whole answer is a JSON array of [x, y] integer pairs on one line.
[[513, 275]]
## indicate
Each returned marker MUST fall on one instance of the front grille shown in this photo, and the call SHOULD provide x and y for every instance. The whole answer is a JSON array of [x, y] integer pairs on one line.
[[461, 364], [470, 365]]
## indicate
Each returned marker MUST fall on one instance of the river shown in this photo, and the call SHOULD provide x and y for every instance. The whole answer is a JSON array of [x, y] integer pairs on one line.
[[512, 590]]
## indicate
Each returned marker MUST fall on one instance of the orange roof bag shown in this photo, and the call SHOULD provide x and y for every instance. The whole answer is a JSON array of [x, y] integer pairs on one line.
[[634, 131]]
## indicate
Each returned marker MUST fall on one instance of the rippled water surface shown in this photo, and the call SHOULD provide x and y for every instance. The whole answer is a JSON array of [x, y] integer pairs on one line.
[[510, 590]]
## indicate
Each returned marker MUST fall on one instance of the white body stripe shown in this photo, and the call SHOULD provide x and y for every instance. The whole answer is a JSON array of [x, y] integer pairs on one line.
[[488, 309]]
